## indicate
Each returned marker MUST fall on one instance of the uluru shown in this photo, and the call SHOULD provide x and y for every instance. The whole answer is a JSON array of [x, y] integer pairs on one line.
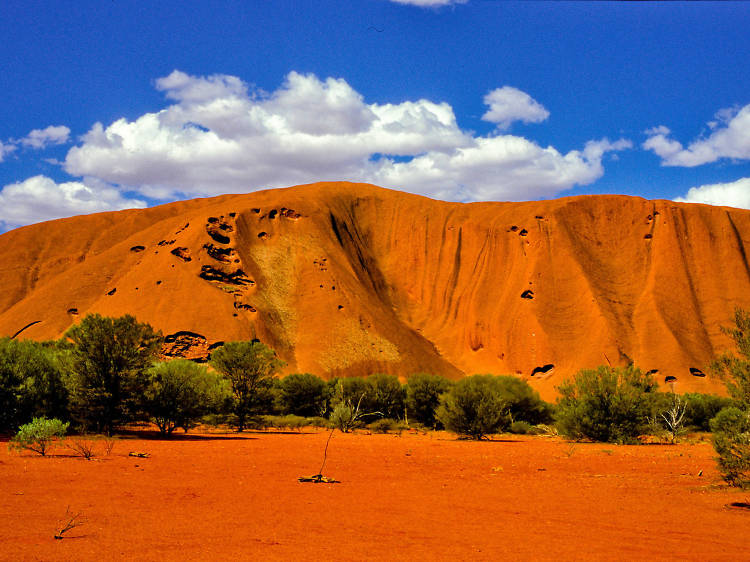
[[350, 279]]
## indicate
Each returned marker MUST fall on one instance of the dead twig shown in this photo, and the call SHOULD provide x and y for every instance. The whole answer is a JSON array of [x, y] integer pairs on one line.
[[68, 522]]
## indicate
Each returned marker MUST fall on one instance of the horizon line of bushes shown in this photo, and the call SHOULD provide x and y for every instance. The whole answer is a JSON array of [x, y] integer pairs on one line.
[[105, 373]]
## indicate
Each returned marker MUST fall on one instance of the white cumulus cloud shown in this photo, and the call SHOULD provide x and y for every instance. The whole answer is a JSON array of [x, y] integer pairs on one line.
[[732, 194], [221, 136], [40, 138], [508, 104], [730, 138], [5, 149], [40, 198]]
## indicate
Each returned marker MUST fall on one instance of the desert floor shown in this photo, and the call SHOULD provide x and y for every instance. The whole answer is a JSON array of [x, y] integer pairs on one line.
[[428, 496]]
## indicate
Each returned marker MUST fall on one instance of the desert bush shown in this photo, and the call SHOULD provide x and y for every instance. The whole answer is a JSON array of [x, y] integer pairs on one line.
[[734, 369], [731, 440], [700, 409], [523, 402], [31, 382], [249, 367], [351, 390], [521, 428], [731, 426], [109, 444], [386, 425], [39, 435], [82, 446], [108, 360], [344, 417], [180, 392], [610, 404], [303, 395], [289, 421], [669, 415], [423, 396], [474, 407], [385, 395], [318, 421]]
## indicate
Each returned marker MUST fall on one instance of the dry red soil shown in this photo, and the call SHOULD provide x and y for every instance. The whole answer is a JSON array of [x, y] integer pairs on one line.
[[410, 497]]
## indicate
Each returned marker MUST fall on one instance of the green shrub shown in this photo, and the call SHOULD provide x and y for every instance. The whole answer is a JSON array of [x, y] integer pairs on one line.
[[474, 407], [289, 421], [352, 390], [607, 404], [731, 426], [700, 409], [423, 397], [386, 425], [180, 392], [384, 395], [524, 403], [521, 428], [731, 439], [249, 367], [303, 395], [344, 417], [39, 435], [31, 382], [109, 359], [733, 369]]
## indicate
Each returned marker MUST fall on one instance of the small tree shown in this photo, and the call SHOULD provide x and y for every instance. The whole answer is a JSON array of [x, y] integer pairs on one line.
[[303, 395], [109, 359], [423, 393], [353, 390], [524, 403], [611, 404], [180, 392], [345, 416], [249, 367], [474, 407], [350, 404], [31, 382], [731, 439], [735, 370], [700, 409], [731, 426], [385, 395], [39, 435], [671, 416]]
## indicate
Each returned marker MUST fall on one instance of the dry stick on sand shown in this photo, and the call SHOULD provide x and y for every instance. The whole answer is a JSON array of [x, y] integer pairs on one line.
[[319, 478], [70, 521]]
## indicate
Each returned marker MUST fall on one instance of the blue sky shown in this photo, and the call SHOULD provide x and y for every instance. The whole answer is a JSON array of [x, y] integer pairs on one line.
[[109, 105]]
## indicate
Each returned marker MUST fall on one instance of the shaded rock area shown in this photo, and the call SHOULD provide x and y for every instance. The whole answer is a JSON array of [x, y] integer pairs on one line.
[[218, 253], [290, 213], [182, 253], [216, 275], [185, 345], [543, 370], [218, 228]]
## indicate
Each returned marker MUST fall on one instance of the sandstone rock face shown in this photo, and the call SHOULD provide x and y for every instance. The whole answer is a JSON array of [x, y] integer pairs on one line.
[[351, 279]]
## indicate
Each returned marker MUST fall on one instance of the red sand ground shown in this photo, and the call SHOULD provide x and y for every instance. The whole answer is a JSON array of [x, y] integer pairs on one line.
[[224, 496]]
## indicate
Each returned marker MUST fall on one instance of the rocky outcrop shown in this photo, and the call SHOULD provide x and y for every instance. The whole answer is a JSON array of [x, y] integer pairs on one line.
[[352, 279]]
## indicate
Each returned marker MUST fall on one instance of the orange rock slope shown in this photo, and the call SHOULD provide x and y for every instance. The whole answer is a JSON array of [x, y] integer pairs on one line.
[[351, 279]]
